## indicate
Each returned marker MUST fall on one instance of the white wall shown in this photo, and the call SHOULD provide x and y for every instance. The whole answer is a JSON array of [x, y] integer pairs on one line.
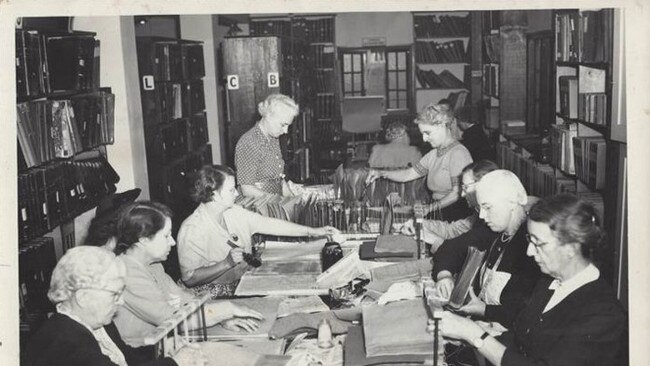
[[200, 28], [396, 27]]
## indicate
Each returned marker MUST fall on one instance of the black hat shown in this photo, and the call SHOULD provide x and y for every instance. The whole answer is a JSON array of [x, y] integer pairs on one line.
[[113, 202]]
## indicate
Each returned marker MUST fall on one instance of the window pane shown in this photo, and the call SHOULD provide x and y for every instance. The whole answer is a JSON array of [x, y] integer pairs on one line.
[[401, 60], [392, 61], [402, 95], [392, 80], [347, 62], [356, 66], [347, 82], [402, 80]]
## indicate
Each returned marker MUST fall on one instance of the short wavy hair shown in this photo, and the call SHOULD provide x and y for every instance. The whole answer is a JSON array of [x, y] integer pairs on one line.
[[480, 168], [506, 183], [207, 180], [268, 105], [571, 220], [435, 114], [395, 130], [140, 220], [82, 267]]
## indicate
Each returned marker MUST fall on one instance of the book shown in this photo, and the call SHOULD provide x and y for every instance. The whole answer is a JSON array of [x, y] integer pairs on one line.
[[569, 96], [473, 262]]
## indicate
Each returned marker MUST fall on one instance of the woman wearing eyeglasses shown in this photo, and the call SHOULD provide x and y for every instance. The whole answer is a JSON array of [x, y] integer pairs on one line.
[[442, 166], [86, 287], [151, 296], [258, 159], [507, 276], [572, 317]]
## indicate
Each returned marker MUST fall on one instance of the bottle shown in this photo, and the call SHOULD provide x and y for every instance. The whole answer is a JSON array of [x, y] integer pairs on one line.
[[325, 334]]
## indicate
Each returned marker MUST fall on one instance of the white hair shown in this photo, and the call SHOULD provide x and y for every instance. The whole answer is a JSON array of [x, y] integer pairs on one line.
[[503, 183], [268, 105]]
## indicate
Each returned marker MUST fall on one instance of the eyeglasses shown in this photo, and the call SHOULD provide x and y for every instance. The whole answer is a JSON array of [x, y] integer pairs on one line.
[[117, 295], [536, 244]]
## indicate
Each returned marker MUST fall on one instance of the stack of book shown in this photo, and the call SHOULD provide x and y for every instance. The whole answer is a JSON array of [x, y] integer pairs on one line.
[[441, 26], [590, 158], [428, 79], [444, 52], [584, 36]]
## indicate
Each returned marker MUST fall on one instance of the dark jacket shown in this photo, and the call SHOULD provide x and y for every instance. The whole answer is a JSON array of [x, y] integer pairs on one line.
[[62, 341], [478, 144], [587, 328]]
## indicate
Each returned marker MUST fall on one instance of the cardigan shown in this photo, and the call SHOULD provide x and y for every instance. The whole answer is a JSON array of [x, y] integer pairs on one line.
[[62, 341], [522, 269], [588, 327]]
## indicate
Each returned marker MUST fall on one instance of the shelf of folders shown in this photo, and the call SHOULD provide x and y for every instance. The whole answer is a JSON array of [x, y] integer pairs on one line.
[[542, 180]]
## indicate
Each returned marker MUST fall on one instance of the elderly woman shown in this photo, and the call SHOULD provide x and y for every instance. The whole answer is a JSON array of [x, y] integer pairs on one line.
[[87, 285], [442, 166], [397, 153], [213, 240], [258, 159], [436, 232], [572, 317], [507, 276], [151, 296]]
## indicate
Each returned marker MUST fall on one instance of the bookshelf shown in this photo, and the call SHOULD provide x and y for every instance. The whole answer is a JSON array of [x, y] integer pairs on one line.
[[441, 56], [64, 120], [491, 56]]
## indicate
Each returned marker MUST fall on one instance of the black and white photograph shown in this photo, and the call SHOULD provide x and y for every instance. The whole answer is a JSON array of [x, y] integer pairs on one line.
[[337, 183]]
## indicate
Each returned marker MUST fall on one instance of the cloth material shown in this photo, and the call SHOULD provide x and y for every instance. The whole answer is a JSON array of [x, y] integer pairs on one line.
[[588, 327], [564, 289], [298, 323], [394, 155], [150, 298], [437, 231], [521, 269], [203, 242], [258, 160], [62, 341], [443, 168], [477, 143]]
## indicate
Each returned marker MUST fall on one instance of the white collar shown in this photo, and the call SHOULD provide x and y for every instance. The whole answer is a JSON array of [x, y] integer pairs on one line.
[[588, 274]]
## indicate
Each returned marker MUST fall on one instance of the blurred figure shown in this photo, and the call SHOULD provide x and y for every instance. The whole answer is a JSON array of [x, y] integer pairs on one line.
[[397, 152]]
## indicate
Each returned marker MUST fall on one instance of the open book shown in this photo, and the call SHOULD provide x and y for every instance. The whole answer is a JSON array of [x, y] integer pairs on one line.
[[472, 264]]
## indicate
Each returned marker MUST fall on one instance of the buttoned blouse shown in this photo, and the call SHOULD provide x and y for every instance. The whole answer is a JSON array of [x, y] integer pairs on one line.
[[258, 160], [443, 167]]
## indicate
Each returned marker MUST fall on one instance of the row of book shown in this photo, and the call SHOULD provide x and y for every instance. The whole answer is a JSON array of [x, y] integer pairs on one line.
[[590, 160], [51, 129], [53, 63], [440, 52], [176, 61], [561, 138], [584, 36], [178, 100], [441, 25], [36, 261], [325, 81], [325, 106], [491, 79], [301, 129], [583, 96], [458, 99], [178, 137], [539, 180], [323, 55], [429, 79], [310, 30], [492, 48], [55, 193], [299, 169]]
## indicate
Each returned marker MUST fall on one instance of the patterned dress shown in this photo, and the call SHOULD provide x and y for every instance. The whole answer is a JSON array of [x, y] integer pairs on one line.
[[258, 161]]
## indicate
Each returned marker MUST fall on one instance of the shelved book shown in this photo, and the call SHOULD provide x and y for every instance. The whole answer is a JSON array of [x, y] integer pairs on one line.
[[429, 79], [440, 25], [562, 151], [491, 79], [440, 52], [492, 43], [590, 160], [538, 179], [584, 36], [568, 96]]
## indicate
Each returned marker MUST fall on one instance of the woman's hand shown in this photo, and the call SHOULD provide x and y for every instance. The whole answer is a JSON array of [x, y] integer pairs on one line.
[[444, 287], [235, 256], [190, 355], [216, 312], [408, 228], [324, 231], [238, 324], [457, 327], [373, 175], [475, 306]]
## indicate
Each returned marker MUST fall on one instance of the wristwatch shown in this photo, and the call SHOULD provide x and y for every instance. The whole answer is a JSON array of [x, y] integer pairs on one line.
[[478, 342]]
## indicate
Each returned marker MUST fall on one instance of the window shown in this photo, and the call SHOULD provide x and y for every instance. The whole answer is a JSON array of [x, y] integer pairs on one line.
[[378, 71]]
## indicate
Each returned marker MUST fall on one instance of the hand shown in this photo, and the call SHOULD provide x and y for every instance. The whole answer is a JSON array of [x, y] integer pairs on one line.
[[408, 228], [241, 311], [457, 327], [373, 175], [190, 355], [475, 306], [235, 255], [445, 286], [325, 230], [238, 324]]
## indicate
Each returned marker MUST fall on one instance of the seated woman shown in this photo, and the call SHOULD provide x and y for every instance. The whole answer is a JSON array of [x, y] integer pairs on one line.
[[86, 287], [151, 296], [103, 227], [258, 159], [507, 276], [213, 239], [437, 231], [442, 165], [397, 153], [572, 317]]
